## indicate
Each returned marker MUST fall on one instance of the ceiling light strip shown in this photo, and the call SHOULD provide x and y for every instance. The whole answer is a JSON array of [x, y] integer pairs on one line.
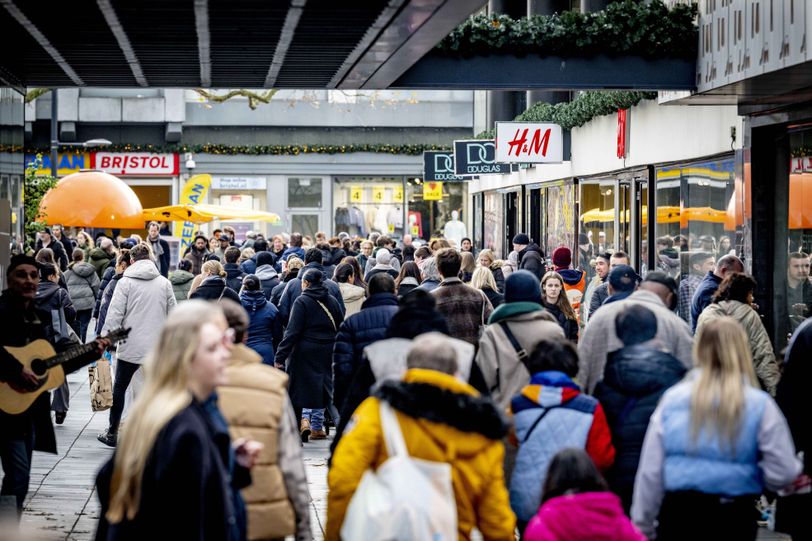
[[203, 41], [285, 38], [124, 44]]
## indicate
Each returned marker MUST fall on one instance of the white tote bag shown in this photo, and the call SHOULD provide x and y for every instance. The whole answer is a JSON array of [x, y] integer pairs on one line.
[[405, 499]]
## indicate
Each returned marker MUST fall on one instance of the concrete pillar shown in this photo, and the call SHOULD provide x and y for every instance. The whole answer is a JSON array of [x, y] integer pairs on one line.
[[505, 104]]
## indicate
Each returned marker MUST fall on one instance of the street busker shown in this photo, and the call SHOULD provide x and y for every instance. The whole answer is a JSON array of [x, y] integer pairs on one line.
[[442, 419], [213, 286], [555, 300], [255, 402], [734, 298], [713, 444], [177, 469], [635, 378], [551, 414], [573, 280], [305, 353], [265, 328], [513, 331], [576, 504], [792, 508]]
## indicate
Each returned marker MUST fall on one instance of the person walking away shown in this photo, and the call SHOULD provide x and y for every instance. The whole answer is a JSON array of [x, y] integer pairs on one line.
[[576, 504], [32, 429], [234, 274], [713, 444], [573, 281], [293, 289], [265, 329], [83, 286], [707, 287], [181, 280], [434, 411], [141, 302], [160, 248], [556, 302], [102, 256], [431, 276], [734, 298], [551, 414], [600, 337], [46, 240], [306, 350], [408, 278], [482, 279], [792, 507], [468, 266], [488, 260], [621, 283], [177, 466], [466, 309], [521, 319], [266, 273], [601, 274], [699, 264], [107, 294], [256, 405], [197, 252], [529, 256], [213, 285], [382, 265], [360, 330], [292, 267], [56, 302], [352, 295], [602, 291], [635, 378]]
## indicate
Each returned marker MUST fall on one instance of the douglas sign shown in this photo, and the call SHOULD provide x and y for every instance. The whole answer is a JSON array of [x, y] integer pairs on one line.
[[529, 142], [477, 158], [439, 167]]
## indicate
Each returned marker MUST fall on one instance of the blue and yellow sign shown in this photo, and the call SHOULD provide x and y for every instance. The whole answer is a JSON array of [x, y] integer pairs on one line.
[[194, 192], [67, 163]]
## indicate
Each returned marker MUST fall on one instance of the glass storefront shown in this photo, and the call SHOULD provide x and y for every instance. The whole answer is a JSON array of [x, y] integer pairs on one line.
[[560, 217], [492, 219], [796, 305], [369, 204], [434, 216]]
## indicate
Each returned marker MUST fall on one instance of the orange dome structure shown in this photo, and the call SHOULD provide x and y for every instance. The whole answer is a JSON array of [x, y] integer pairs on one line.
[[92, 199]]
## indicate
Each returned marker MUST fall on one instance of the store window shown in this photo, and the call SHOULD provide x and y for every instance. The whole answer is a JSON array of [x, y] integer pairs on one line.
[[304, 193], [560, 227], [369, 204], [433, 207], [477, 222], [492, 222], [597, 220], [797, 304], [306, 224]]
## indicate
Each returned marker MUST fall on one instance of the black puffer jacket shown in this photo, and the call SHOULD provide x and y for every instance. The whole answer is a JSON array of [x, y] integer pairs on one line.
[[214, 288], [634, 379], [570, 326], [532, 259]]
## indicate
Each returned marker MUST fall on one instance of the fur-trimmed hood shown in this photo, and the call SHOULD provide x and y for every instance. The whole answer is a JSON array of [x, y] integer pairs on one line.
[[450, 405]]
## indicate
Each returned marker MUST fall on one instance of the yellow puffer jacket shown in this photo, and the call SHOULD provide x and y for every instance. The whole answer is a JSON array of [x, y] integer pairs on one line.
[[465, 431]]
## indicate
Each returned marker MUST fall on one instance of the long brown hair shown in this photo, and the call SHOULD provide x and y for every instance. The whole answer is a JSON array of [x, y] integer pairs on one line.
[[563, 301]]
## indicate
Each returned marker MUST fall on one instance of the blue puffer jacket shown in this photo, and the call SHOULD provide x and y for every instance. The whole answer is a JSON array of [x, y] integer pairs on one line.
[[357, 332], [298, 251], [264, 329], [705, 466], [634, 379]]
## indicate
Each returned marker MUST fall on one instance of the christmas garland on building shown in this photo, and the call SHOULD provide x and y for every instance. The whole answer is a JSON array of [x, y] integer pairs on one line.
[[629, 27], [251, 150]]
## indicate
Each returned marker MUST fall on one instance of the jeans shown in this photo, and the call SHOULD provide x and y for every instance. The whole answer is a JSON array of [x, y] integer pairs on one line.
[[15, 455], [61, 399], [316, 418], [124, 374], [81, 323]]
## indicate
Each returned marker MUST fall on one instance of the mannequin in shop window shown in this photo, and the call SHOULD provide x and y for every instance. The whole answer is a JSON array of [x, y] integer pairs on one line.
[[454, 229]]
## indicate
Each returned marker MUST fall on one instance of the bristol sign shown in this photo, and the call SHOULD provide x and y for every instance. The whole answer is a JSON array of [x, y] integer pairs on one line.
[[522, 142]]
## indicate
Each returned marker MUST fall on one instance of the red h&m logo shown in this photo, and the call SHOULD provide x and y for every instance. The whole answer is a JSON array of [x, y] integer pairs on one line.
[[538, 142]]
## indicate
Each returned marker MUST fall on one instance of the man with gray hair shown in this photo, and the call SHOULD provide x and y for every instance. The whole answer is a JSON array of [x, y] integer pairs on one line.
[[102, 256], [383, 263], [431, 276], [708, 286], [433, 351]]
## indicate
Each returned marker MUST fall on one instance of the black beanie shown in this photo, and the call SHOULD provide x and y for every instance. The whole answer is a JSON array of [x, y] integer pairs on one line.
[[264, 258]]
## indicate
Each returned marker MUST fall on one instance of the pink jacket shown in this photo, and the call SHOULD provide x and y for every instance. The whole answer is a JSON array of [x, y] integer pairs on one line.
[[597, 516]]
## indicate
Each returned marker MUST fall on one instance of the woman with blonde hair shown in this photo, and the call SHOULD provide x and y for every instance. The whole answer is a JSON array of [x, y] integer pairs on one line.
[[555, 301], [212, 285], [713, 444], [483, 279], [172, 467], [488, 260]]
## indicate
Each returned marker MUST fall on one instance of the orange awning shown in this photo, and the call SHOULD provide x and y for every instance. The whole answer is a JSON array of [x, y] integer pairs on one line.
[[92, 199]]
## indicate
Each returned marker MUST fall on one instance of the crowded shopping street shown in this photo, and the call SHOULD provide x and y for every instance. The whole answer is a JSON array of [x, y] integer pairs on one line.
[[401, 270]]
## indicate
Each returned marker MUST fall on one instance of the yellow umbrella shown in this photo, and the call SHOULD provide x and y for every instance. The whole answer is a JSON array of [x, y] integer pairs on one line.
[[202, 213]]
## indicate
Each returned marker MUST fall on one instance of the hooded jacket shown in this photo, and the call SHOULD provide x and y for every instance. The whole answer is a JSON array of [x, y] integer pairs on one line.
[[264, 327], [83, 285], [764, 362], [531, 258], [234, 276], [293, 290], [268, 278], [101, 260], [505, 375], [498, 275], [181, 281], [50, 299], [596, 516], [142, 300], [443, 420], [197, 258], [353, 297], [214, 288]]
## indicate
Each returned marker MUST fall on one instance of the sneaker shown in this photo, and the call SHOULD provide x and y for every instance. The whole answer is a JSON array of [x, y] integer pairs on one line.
[[108, 438], [318, 435], [59, 417], [304, 430]]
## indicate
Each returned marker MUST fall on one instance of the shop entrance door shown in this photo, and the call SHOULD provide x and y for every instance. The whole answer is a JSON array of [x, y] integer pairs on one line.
[[512, 217], [633, 233]]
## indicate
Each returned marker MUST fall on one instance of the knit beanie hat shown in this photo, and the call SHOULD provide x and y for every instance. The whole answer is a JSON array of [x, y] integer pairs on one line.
[[521, 238], [264, 258], [522, 286], [562, 257], [383, 257]]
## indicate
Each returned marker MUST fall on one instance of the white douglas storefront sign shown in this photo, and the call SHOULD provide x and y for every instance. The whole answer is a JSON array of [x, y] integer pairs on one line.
[[523, 142]]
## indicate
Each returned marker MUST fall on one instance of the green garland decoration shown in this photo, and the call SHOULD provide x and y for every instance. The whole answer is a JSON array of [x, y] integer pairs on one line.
[[253, 150], [585, 107], [627, 27]]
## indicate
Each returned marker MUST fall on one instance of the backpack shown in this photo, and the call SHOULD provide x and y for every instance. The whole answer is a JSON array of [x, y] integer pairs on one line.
[[405, 498]]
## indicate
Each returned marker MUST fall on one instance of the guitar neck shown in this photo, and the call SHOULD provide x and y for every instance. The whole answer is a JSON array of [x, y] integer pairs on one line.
[[70, 354]]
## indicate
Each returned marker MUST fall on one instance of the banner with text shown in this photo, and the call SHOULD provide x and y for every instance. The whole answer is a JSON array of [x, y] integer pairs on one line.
[[194, 192], [439, 166], [477, 157], [523, 142]]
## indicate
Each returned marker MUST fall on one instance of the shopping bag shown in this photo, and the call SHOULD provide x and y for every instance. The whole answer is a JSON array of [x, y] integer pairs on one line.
[[405, 498], [101, 383]]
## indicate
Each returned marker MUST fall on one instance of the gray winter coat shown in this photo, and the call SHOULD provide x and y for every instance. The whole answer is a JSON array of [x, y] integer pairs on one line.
[[141, 301], [83, 285], [181, 281]]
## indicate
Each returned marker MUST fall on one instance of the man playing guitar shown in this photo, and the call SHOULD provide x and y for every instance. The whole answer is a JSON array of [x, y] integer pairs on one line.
[[21, 324]]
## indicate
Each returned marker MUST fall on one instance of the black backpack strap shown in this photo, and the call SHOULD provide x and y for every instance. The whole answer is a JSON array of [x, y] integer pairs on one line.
[[537, 421], [520, 351]]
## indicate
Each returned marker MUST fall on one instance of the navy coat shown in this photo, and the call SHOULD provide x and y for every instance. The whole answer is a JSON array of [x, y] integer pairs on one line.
[[357, 332], [294, 289], [234, 276], [264, 328]]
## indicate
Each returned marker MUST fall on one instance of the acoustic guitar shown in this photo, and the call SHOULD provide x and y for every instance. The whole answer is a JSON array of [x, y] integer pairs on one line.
[[40, 358]]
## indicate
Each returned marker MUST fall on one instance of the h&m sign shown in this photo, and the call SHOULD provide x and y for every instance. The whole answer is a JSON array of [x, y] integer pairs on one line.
[[438, 166], [523, 142], [477, 157]]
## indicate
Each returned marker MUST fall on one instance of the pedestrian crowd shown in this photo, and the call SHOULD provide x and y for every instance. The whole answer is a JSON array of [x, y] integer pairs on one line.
[[546, 399]]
